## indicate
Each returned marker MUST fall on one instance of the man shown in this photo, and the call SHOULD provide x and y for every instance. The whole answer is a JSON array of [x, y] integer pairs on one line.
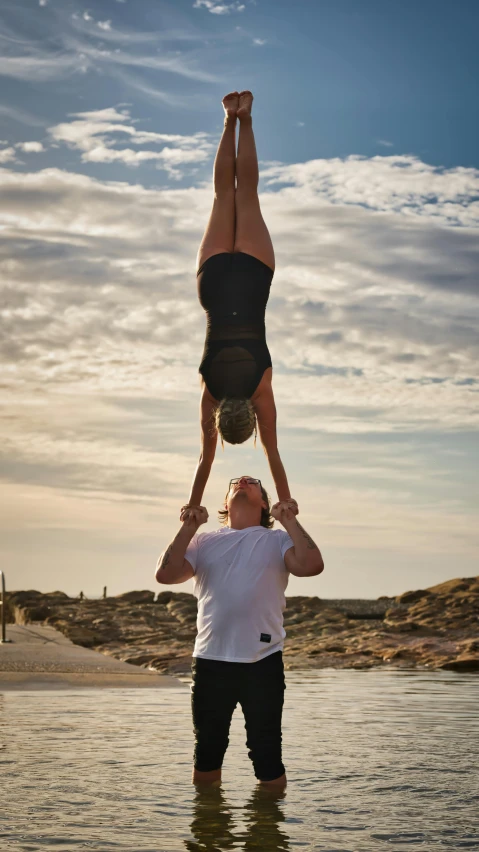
[[240, 573]]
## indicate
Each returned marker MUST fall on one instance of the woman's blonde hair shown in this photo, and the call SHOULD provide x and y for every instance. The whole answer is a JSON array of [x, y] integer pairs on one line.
[[235, 420]]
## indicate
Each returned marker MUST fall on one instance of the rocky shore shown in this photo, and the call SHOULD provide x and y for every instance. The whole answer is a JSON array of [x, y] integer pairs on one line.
[[435, 628]]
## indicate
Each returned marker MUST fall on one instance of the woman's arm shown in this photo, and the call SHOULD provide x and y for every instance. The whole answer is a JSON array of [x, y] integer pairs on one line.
[[265, 409], [209, 438]]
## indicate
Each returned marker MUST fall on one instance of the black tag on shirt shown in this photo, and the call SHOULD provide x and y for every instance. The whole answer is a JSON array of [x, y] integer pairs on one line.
[[265, 637]]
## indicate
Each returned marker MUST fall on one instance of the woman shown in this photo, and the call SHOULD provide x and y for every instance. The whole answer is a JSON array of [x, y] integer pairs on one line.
[[235, 264]]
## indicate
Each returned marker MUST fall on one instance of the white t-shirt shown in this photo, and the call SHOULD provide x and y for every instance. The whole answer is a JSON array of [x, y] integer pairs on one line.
[[239, 579]]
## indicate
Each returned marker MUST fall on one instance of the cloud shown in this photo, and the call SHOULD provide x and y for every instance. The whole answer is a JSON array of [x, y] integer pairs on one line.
[[109, 463], [7, 155], [401, 184], [79, 48], [94, 134], [109, 60], [385, 143], [259, 41], [154, 93], [38, 65], [22, 116], [30, 147], [217, 8], [103, 25], [371, 316]]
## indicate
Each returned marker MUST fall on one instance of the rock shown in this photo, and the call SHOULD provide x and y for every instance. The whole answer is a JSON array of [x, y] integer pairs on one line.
[[26, 596], [27, 614], [82, 636], [359, 608], [434, 628], [136, 597], [139, 659], [412, 597], [398, 654], [395, 612], [57, 595], [452, 587], [462, 664], [334, 649], [165, 597]]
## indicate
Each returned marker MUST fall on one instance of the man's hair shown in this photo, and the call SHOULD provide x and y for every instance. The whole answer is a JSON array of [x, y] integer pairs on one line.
[[235, 420], [267, 519]]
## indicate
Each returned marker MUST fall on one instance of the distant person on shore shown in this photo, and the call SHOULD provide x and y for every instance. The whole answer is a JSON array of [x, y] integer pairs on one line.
[[240, 573], [235, 266]]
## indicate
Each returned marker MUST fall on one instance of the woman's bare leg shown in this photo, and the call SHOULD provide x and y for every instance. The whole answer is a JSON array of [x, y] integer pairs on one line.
[[220, 231], [252, 235]]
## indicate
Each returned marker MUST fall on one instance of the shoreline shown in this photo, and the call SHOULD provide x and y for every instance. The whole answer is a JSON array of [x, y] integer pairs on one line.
[[425, 629], [58, 681]]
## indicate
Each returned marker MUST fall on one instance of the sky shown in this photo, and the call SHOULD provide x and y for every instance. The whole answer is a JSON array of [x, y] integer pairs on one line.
[[366, 125]]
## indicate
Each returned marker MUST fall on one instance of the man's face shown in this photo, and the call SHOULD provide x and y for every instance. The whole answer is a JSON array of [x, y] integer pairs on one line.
[[245, 490]]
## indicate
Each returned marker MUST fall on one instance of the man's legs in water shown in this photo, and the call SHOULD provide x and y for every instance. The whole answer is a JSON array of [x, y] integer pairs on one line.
[[213, 777], [277, 784], [213, 700]]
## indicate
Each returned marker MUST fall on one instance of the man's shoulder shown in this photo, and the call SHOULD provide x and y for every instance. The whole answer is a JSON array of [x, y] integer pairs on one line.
[[278, 532]]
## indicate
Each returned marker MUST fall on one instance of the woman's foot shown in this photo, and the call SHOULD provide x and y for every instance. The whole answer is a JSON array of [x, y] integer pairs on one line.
[[245, 104], [230, 104]]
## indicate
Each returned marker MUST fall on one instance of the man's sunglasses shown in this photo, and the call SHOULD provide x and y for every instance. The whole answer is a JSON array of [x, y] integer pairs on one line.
[[249, 480]]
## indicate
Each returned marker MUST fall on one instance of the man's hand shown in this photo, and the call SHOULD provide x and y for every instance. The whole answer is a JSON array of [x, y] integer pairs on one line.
[[193, 515], [292, 505], [285, 510]]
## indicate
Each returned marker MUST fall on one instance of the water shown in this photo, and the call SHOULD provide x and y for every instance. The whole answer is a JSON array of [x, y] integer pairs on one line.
[[375, 761]]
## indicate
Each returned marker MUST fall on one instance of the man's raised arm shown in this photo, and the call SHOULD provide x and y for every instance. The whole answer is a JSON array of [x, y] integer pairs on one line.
[[172, 567], [304, 558]]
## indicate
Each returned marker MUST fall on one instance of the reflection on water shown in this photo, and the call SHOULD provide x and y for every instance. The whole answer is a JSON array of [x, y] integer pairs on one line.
[[375, 761], [213, 825]]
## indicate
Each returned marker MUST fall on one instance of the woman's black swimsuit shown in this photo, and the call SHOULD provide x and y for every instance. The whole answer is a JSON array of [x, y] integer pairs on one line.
[[233, 288]]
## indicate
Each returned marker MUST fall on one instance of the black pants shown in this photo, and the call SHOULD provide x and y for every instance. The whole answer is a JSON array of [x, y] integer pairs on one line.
[[259, 688]]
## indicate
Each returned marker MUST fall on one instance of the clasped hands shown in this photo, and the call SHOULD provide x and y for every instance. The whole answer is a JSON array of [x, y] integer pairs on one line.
[[283, 510], [193, 515]]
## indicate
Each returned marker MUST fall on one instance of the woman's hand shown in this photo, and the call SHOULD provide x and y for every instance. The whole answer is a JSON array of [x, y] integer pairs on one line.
[[196, 515]]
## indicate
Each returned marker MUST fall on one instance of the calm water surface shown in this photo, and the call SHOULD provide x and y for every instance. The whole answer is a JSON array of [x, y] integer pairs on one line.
[[375, 761]]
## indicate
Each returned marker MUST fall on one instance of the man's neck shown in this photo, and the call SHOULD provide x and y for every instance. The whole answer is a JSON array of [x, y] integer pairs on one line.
[[243, 519]]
